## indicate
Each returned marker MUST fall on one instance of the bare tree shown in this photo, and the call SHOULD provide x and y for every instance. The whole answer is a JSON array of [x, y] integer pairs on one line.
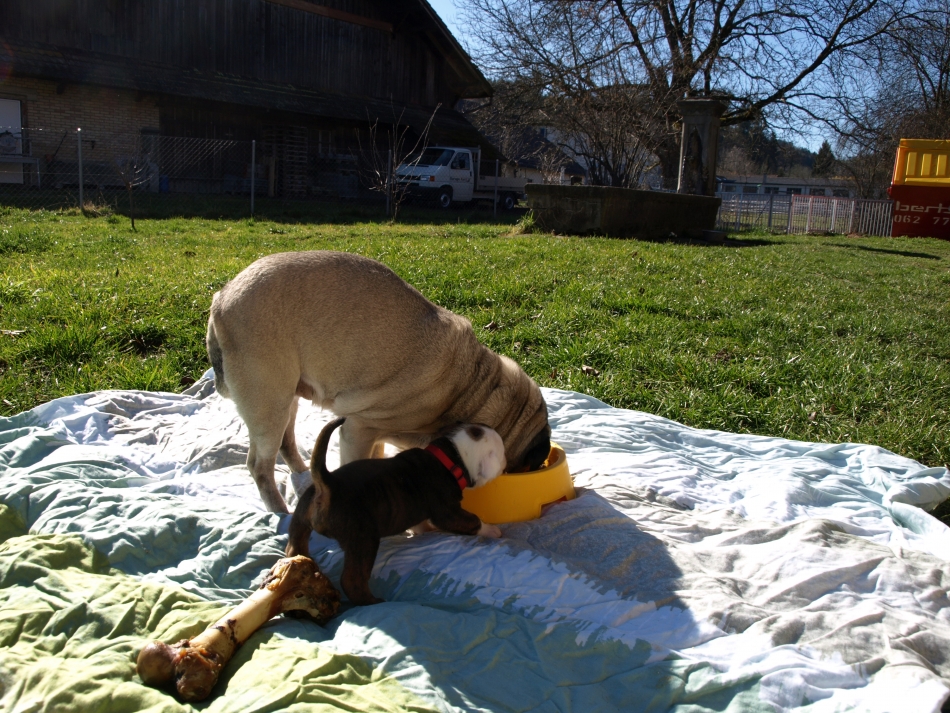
[[905, 83], [757, 55], [735, 160], [870, 170], [551, 163], [602, 130], [134, 167], [509, 120], [612, 130], [753, 147], [386, 148]]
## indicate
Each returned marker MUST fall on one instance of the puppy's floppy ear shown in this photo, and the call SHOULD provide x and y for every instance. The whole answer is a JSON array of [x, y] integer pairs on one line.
[[475, 432]]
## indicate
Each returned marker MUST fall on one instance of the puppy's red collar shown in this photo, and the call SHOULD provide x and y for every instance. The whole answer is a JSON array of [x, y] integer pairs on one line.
[[453, 467]]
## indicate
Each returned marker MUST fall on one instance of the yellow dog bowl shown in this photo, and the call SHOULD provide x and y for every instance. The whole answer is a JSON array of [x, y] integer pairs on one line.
[[514, 497]]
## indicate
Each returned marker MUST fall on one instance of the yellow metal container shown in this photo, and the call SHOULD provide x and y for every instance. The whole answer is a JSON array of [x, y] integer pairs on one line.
[[922, 162], [514, 497]]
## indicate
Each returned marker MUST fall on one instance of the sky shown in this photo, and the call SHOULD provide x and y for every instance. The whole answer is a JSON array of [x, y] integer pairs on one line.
[[446, 10]]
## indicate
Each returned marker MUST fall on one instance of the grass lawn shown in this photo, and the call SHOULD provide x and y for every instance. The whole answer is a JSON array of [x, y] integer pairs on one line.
[[819, 338]]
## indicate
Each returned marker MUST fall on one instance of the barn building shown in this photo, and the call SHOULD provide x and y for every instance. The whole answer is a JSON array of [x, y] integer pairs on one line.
[[304, 79]]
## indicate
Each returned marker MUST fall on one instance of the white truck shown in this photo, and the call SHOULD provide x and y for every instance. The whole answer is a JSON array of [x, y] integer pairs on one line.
[[450, 174]]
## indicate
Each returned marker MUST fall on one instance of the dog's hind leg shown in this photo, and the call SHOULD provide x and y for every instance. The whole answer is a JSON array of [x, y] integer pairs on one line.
[[267, 423], [288, 445], [261, 459], [358, 560]]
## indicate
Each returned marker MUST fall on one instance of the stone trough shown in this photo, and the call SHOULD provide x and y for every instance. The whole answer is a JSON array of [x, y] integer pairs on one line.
[[621, 212]]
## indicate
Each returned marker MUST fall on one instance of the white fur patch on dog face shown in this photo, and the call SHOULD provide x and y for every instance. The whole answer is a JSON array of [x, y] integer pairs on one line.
[[482, 451]]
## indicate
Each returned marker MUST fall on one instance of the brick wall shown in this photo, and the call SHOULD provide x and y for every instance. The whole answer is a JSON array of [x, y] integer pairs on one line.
[[106, 115]]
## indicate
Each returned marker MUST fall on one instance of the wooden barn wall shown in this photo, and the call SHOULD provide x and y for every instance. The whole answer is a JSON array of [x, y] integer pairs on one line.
[[215, 121], [247, 38]]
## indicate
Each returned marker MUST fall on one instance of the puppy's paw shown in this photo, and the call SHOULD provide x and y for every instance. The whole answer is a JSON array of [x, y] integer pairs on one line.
[[488, 530], [422, 528]]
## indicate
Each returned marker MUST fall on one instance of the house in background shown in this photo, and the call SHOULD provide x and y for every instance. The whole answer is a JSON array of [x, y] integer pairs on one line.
[[530, 154], [300, 77], [764, 185], [542, 161]]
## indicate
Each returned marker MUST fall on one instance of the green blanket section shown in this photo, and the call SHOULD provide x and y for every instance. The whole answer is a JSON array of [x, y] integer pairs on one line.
[[71, 627]]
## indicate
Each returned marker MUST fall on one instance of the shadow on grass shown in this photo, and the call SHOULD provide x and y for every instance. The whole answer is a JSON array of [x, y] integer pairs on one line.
[[672, 238], [727, 243], [152, 206], [749, 242], [902, 253]]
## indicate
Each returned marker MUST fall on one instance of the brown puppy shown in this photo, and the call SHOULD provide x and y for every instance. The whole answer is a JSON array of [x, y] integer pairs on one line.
[[365, 500], [349, 334]]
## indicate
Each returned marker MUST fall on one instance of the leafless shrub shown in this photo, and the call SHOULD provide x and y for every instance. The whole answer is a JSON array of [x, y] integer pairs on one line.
[[384, 149], [134, 167]]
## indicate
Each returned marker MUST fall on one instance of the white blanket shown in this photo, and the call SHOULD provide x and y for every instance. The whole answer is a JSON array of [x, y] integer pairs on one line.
[[696, 570]]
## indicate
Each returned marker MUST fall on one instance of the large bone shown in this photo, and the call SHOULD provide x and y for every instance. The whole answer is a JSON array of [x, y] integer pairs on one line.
[[294, 584]]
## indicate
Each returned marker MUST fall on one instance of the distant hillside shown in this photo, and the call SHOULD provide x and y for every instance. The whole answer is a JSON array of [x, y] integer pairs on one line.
[[752, 147]]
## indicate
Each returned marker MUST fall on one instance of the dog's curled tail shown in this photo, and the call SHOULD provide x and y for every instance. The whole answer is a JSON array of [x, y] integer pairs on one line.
[[217, 359], [318, 461]]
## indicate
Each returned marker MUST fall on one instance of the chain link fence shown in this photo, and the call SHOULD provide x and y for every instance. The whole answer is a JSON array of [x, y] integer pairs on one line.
[[149, 175], [753, 212]]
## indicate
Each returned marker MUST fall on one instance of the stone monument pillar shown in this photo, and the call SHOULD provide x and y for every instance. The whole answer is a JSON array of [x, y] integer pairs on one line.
[[699, 144]]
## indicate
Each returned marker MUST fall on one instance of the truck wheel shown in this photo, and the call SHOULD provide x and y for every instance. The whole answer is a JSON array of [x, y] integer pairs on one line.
[[509, 201], [444, 199]]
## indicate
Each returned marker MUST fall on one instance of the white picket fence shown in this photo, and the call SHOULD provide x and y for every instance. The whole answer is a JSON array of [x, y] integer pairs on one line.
[[801, 215]]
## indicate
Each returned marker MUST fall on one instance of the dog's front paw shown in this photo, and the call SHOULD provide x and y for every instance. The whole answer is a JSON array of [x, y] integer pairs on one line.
[[488, 530], [422, 528]]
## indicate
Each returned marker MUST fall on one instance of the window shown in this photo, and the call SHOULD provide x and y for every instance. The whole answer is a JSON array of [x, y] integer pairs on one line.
[[816, 192], [841, 193], [771, 189], [728, 189], [432, 157], [11, 140], [325, 145], [793, 191], [750, 189], [460, 162]]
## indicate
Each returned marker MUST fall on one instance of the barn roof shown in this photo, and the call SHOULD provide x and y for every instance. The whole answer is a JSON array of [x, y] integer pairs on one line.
[[477, 86]]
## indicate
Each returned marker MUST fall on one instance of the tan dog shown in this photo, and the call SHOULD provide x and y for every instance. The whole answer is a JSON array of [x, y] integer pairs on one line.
[[349, 334]]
